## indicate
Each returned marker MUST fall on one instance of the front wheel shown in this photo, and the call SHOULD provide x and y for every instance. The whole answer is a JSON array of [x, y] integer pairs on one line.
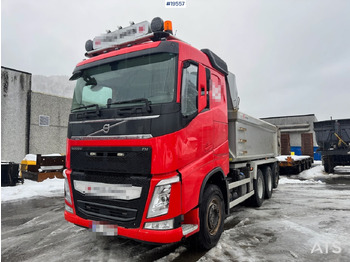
[[212, 217]]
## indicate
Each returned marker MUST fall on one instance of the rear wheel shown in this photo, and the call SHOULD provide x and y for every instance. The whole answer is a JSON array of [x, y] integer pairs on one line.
[[259, 190], [212, 217], [275, 175], [268, 182]]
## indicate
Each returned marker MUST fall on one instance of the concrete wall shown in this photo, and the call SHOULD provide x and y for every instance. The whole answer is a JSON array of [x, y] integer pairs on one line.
[[21, 131], [48, 137], [15, 91]]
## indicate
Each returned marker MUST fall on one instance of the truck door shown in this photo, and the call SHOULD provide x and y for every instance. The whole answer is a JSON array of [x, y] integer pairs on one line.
[[194, 104]]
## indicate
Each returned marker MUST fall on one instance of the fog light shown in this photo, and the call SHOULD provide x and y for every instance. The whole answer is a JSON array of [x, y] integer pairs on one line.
[[68, 208], [160, 225]]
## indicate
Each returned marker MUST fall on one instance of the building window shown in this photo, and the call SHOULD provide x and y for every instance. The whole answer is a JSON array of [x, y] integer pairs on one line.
[[44, 120]]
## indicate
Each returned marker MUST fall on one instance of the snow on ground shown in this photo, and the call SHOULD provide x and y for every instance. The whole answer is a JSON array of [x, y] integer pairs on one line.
[[305, 220], [316, 174], [31, 189], [311, 175]]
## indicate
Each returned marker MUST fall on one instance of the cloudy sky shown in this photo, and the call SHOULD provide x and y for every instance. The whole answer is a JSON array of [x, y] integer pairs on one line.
[[290, 57]]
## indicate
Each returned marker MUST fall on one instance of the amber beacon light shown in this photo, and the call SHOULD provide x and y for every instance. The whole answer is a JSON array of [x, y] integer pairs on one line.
[[168, 26]]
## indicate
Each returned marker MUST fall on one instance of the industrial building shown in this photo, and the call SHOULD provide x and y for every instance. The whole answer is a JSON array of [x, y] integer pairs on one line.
[[32, 122], [297, 134]]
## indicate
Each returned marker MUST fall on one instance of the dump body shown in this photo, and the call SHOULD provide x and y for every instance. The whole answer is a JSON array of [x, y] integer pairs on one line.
[[333, 139], [251, 138], [325, 134]]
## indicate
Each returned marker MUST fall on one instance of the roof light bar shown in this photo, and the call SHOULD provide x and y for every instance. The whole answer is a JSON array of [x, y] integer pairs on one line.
[[133, 34]]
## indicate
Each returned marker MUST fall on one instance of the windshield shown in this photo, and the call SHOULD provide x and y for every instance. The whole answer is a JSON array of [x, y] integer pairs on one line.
[[149, 78]]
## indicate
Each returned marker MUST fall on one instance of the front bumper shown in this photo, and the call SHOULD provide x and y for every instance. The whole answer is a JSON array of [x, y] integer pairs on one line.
[[144, 235]]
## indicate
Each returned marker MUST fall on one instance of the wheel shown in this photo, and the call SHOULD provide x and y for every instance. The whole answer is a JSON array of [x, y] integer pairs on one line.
[[298, 168], [259, 190], [212, 216], [310, 163], [307, 164], [328, 165], [268, 182], [275, 175]]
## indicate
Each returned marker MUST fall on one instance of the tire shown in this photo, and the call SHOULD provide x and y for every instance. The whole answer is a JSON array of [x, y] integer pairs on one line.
[[307, 164], [298, 168], [257, 199], [268, 182], [212, 216], [328, 165], [275, 175]]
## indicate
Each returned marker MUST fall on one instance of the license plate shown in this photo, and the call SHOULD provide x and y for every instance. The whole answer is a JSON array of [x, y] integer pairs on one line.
[[104, 229]]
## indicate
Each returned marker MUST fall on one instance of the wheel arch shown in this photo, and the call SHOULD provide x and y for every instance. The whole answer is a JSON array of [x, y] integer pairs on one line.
[[216, 177]]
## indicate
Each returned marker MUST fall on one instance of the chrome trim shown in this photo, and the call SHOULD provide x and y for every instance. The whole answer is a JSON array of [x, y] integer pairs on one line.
[[114, 119], [103, 130], [112, 191], [169, 181], [140, 136]]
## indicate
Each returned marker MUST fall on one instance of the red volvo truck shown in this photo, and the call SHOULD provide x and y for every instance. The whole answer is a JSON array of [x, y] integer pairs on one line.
[[157, 150]]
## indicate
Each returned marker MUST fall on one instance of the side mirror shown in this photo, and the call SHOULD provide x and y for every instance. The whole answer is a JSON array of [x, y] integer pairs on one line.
[[202, 88]]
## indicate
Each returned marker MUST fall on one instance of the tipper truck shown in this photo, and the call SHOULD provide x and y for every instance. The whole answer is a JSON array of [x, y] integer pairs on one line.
[[157, 150], [333, 139]]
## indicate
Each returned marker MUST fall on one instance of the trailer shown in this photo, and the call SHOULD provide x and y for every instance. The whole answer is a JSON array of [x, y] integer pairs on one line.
[[292, 164], [157, 149], [333, 138]]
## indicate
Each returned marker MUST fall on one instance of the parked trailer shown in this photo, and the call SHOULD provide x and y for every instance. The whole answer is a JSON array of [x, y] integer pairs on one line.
[[157, 150], [294, 164], [333, 139]]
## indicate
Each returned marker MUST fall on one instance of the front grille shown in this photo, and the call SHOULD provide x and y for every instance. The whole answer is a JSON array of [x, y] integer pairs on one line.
[[125, 213], [107, 212], [131, 160]]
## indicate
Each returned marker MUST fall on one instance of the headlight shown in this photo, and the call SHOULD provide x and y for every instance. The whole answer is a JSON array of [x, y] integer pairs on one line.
[[67, 195], [161, 195]]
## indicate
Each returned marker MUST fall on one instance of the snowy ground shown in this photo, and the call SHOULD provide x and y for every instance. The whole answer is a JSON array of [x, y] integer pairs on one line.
[[31, 189], [307, 219]]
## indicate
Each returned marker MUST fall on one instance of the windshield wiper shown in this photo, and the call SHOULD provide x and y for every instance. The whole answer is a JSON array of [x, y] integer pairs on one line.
[[88, 106], [145, 100]]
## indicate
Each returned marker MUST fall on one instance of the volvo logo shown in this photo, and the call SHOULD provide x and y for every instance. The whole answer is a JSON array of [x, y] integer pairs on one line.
[[106, 128]]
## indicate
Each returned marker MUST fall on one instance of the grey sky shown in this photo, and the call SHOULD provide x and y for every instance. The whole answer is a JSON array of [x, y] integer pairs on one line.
[[289, 56]]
